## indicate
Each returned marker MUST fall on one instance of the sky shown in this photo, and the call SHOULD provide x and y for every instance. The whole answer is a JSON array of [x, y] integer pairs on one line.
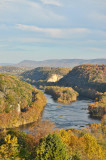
[[52, 29]]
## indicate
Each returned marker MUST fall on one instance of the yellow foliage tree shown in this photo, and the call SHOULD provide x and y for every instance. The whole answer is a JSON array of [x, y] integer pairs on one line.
[[9, 150], [92, 149]]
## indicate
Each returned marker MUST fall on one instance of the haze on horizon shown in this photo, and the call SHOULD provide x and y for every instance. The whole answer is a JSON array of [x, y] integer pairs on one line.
[[52, 29]]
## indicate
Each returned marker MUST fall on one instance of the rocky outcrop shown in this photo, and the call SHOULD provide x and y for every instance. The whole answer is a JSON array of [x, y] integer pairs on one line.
[[54, 78]]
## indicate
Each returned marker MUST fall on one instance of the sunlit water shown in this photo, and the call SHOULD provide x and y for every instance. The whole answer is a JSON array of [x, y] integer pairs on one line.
[[75, 115]]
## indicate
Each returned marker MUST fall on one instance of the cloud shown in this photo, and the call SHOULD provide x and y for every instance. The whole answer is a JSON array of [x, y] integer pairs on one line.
[[52, 2], [49, 31], [54, 32], [29, 11], [53, 23]]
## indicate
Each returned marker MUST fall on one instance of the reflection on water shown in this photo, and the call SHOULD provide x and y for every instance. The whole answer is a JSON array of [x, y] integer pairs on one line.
[[75, 115]]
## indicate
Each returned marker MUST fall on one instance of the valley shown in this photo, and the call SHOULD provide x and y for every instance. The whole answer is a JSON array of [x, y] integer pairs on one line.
[[52, 80], [69, 111]]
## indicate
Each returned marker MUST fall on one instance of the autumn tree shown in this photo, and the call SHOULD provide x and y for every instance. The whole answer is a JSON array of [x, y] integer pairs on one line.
[[9, 150]]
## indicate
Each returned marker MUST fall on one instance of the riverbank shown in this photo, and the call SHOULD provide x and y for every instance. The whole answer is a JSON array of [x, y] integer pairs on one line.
[[15, 119], [73, 116]]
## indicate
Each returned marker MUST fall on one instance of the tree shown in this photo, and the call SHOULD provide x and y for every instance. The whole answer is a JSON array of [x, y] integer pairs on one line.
[[51, 148], [92, 149], [9, 150]]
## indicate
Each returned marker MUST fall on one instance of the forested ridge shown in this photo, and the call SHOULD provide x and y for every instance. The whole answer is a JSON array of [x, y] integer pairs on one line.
[[20, 103], [87, 76], [89, 81]]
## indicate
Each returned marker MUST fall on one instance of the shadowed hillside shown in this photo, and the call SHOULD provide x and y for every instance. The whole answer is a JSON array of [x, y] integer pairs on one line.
[[47, 74], [86, 76]]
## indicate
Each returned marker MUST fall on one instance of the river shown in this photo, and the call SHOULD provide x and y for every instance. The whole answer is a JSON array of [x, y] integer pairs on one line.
[[75, 115]]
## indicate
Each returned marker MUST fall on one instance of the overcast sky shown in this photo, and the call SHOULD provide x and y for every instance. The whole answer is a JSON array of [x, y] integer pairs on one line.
[[52, 29]]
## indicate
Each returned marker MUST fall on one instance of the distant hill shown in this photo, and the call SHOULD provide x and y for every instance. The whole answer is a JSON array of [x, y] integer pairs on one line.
[[70, 63], [48, 74], [12, 70], [7, 64]]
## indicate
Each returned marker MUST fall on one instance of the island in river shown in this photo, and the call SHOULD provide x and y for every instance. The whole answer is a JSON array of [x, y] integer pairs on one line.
[[64, 95]]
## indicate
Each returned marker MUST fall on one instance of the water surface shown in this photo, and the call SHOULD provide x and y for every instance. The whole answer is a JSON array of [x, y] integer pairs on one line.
[[75, 115]]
